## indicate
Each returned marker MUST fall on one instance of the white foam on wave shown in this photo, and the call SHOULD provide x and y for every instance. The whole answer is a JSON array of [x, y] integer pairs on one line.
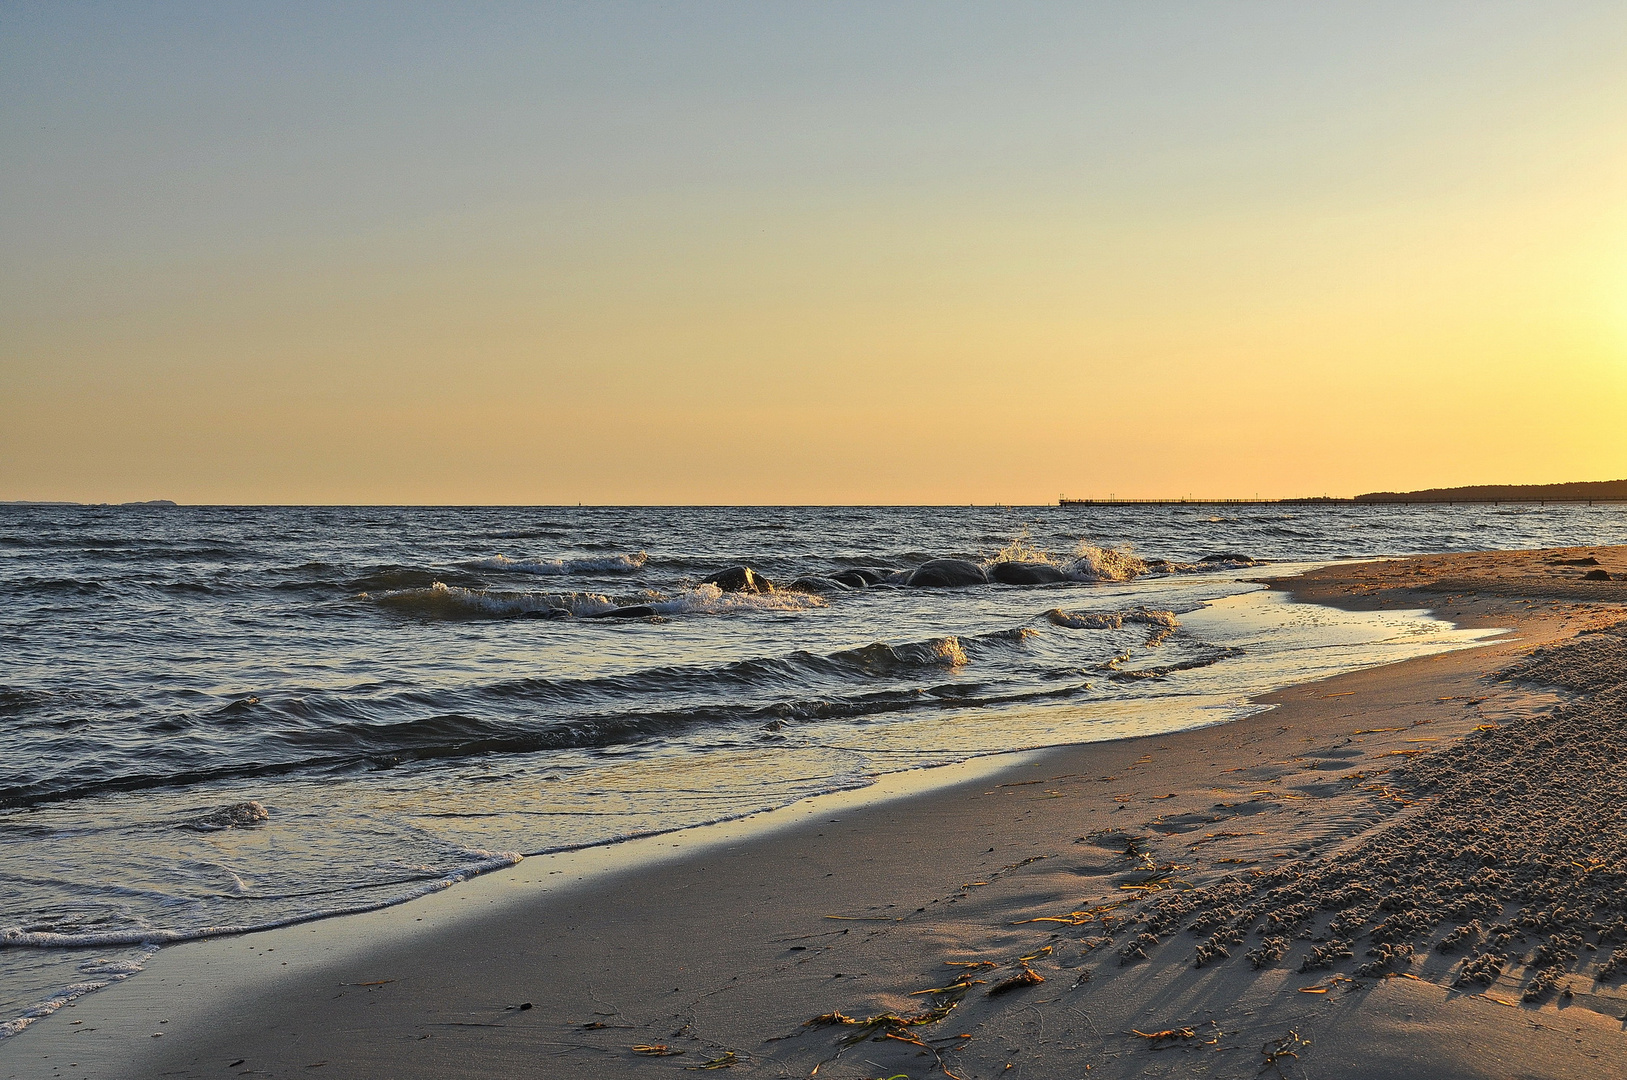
[[1092, 563], [1021, 549], [608, 564], [41, 1009], [117, 969], [1087, 562]]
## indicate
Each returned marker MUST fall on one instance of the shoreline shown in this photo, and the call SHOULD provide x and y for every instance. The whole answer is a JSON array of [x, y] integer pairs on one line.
[[1261, 620], [432, 990]]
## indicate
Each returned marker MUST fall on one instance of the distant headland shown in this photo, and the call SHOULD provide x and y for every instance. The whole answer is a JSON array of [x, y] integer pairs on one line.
[[1588, 491]]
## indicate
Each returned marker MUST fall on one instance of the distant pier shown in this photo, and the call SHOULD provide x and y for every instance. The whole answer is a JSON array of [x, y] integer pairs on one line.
[[1204, 502]]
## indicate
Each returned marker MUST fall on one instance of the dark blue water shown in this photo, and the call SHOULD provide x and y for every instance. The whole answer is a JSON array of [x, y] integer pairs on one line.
[[230, 717]]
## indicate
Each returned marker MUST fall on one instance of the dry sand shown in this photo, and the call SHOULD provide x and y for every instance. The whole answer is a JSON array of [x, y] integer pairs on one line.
[[1416, 870]]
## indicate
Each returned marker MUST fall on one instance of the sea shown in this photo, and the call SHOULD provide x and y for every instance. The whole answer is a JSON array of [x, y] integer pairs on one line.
[[218, 719]]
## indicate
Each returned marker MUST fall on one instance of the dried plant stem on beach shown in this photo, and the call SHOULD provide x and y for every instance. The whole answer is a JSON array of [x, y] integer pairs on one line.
[[722, 1062], [1278, 1050], [1025, 976]]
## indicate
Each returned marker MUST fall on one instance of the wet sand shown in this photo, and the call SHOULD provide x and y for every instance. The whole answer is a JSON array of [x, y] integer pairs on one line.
[[1042, 921]]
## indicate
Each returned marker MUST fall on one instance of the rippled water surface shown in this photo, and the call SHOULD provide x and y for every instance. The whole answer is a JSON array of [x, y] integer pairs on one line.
[[227, 717]]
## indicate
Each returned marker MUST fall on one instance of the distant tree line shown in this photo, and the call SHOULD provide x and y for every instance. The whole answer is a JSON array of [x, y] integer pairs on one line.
[[1586, 491]]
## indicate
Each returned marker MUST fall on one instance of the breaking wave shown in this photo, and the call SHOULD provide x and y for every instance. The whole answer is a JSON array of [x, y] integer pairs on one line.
[[1092, 563], [1086, 563]]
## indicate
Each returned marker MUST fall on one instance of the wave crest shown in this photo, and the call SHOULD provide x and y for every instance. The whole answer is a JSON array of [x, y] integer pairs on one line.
[[879, 658], [443, 601], [608, 564]]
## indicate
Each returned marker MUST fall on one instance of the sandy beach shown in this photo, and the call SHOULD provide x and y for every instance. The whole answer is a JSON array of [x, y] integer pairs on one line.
[[1413, 870]]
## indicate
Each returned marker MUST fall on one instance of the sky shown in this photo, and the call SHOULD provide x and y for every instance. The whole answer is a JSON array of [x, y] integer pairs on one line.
[[788, 253]]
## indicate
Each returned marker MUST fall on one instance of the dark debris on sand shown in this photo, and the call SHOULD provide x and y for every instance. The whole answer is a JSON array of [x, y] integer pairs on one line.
[[1513, 854]]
